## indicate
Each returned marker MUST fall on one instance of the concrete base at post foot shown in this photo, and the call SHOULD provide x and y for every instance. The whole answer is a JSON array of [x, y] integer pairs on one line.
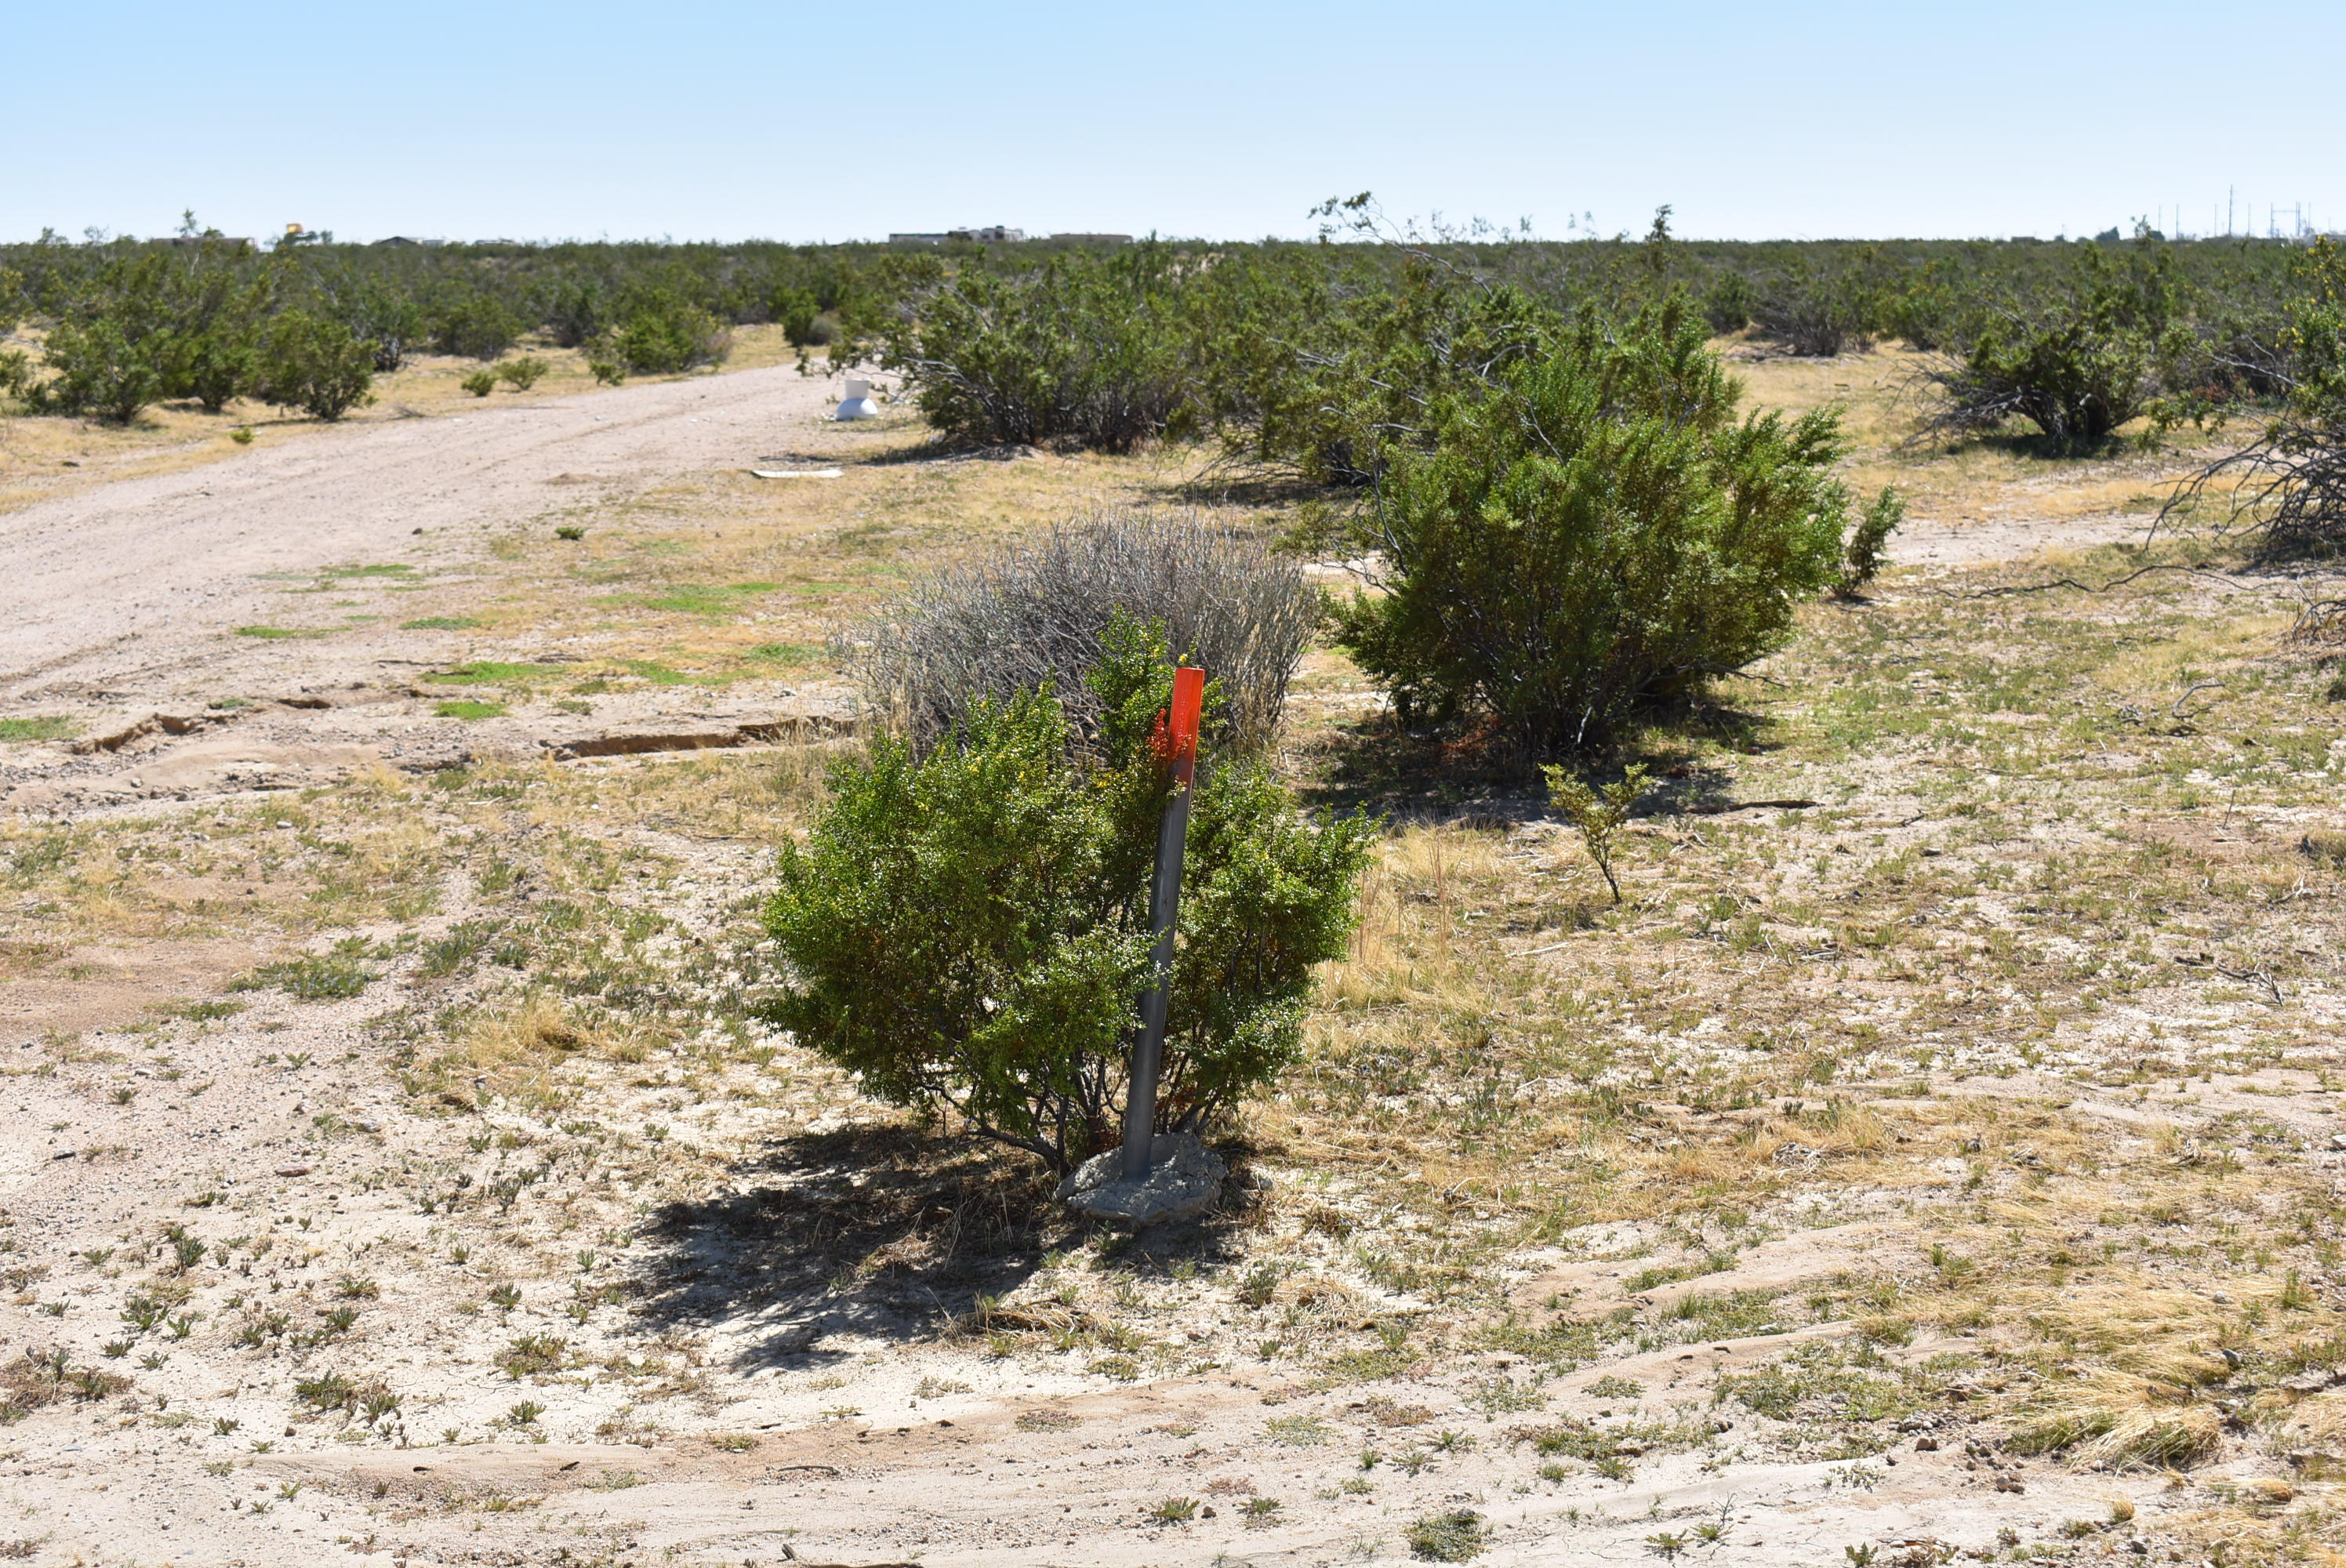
[[1183, 1180]]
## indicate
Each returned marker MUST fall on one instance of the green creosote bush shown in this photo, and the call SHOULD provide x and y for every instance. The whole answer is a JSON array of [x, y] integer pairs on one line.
[[2286, 485], [475, 325], [969, 931], [795, 310], [1037, 614], [1822, 313], [1598, 814], [1083, 350], [571, 531], [480, 383], [1862, 553], [1314, 372], [1593, 534], [523, 374], [575, 312], [214, 353], [658, 332], [2077, 364], [17, 375], [376, 311], [112, 345], [1730, 302], [315, 364]]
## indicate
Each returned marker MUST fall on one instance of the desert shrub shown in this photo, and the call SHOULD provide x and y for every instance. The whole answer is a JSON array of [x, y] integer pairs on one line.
[[1323, 374], [796, 310], [607, 371], [112, 349], [2072, 380], [314, 364], [215, 366], [576, 313], [1730, 302], [1084, 350], [968, 931], [215, 344], [2286, 485], [658, 332], [1816, 310], [1862, 555], [476, 325], [1037, 614], [1594, 534], [2078, 363], [1597, 812], [376, 311], [523, 374], [480, 383]]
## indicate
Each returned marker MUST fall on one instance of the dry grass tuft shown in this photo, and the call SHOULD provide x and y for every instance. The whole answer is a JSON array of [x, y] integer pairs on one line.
[[514, 1050], [2116, 1419]]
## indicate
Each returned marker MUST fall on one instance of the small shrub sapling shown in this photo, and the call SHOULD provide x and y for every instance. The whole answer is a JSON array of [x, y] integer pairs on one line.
[[968, 930], [1862, 555], [1598, 814]]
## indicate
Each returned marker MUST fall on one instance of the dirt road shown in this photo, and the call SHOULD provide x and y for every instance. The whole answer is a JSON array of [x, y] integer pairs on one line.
[[136, 588], [183, 630]]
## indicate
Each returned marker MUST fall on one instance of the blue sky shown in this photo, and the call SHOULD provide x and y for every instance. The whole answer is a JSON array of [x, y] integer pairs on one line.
[[711, 119]]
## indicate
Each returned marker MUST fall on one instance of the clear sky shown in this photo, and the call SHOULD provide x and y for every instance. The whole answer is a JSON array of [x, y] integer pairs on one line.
[[1221, 118]]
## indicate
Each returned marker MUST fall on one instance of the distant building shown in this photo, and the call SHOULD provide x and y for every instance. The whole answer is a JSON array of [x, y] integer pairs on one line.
[[404, 240], [1090, 239], [992, 235]]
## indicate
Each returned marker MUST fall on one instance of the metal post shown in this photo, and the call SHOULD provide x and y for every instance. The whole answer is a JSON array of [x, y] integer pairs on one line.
[[1178, 746]]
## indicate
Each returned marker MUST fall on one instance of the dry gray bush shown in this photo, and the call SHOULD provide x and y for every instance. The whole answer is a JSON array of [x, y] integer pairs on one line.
[[1032, 613], [2287, 491]]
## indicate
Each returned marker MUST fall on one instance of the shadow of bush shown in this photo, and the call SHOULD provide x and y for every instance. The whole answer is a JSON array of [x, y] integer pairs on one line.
[[882, 1231], [874, 1231]]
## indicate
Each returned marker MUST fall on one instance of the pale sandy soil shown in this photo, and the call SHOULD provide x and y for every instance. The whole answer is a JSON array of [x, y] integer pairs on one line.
[[729, 1415]]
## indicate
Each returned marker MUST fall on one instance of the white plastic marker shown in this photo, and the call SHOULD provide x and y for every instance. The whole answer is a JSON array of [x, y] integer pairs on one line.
[[857, 403], [796, 472]]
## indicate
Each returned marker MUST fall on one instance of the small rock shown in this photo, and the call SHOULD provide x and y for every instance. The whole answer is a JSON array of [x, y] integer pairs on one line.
[[294, 1170]]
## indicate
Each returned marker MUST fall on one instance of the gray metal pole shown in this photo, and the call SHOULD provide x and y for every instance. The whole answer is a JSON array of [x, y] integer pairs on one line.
[[1149, 1050]]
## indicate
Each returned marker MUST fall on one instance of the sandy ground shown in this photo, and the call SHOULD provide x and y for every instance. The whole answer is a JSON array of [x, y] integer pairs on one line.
[[761, 1431]]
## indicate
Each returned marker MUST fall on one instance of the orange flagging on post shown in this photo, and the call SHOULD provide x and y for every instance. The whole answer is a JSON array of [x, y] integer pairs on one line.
[[1176, 727]]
